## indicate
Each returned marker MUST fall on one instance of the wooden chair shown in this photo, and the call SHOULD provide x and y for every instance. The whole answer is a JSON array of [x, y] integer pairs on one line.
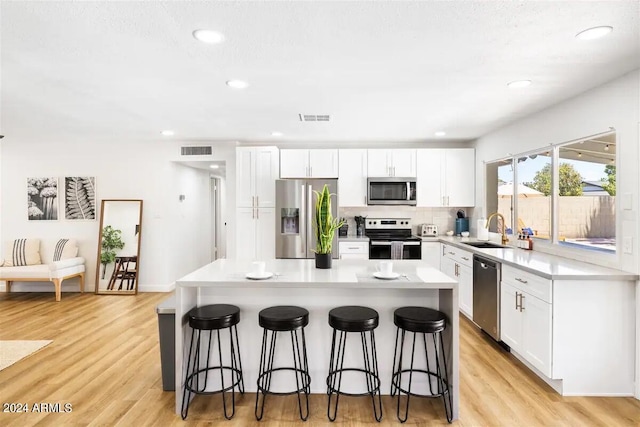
[[125, 269]]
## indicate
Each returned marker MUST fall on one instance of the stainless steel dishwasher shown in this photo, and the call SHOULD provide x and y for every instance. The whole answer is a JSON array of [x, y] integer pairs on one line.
[[486, 295]]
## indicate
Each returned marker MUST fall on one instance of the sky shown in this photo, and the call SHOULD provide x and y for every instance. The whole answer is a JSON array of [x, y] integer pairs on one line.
[[527, 169]]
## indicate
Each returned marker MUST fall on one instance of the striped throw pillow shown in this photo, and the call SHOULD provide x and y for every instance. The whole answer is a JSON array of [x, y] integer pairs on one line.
[[65, 248], [22, 252]]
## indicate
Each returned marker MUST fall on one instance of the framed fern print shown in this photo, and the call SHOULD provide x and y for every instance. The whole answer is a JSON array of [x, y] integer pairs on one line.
[[80, 197]]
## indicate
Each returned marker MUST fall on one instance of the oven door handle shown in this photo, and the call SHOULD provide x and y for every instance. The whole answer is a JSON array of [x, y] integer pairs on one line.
[[380, 243], [411, 243]]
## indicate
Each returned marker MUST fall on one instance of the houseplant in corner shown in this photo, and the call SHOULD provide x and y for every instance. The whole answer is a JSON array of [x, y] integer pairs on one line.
[[111, 240], [324, 226]]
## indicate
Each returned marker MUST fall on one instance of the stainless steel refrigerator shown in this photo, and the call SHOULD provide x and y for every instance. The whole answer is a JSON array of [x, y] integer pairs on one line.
[[295, 208]]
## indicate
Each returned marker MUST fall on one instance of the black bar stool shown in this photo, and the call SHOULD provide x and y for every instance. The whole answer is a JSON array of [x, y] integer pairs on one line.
[[421, 320], [213, 318], [282, 319], [353, 319]]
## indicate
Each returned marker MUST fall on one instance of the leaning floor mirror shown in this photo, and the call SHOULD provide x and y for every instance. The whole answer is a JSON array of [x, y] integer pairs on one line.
[[118, 259]]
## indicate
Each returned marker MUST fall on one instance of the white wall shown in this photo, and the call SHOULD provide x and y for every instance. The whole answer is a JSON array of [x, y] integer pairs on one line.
[[123, 170], [613, 105]]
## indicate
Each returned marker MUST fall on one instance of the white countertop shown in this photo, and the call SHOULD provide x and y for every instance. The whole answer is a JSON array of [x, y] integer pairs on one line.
[[546, 265], [353, 238], [291, 273]]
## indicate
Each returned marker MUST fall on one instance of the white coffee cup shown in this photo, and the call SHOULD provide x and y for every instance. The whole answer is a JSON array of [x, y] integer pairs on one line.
[[259, 267], [385, 267]]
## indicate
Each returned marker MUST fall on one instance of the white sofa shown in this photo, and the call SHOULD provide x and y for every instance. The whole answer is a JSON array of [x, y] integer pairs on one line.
[[47, 270]]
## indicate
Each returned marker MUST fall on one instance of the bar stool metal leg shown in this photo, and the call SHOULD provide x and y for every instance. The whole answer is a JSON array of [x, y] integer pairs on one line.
[[336, 368], [372, 373], [300, 366]]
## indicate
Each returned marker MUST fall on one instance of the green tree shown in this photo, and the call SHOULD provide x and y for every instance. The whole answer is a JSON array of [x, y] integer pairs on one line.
[[570, 181], [610, 180]]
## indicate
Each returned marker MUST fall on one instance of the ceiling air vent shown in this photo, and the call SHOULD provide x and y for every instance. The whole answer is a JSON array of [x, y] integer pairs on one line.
[[313, 117], [203, 150]]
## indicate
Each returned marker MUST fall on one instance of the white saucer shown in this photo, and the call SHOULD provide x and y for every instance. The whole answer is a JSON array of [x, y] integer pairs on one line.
[[259, 276], [391, 276]]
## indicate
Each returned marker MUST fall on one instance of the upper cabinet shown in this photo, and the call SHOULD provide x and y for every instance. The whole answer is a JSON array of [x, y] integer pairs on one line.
[[311, 163], [446, 177], [257, 169], [352, 177], [399, 162]]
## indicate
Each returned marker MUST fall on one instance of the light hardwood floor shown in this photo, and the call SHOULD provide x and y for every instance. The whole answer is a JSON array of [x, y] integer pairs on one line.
[[105, 362]]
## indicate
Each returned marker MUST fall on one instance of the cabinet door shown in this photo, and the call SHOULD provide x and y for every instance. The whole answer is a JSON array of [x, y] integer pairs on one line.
[[510, 317], [246, 233], [265, 233], [429, 185], [378, 163], [460, 177], [352, 177], [353, 256], [448, 267], [323, 163], [537, 333], [294, 163], [245, 177], [465, 280], [403, 162], [431, 254], [266, 173]]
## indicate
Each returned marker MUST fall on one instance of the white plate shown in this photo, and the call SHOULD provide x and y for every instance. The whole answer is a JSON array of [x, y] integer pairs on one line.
[[391, 276], [259, 276]]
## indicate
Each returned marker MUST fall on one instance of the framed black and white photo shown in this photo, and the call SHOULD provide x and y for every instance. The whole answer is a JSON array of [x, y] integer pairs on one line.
[[42, 196], [80, 197]]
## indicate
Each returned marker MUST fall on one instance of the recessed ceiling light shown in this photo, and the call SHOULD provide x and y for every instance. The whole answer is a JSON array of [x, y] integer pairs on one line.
[[276, 133], [594, 33], [606, 147], [237, 84], [214, 166], [519, 84], [168, 133], [440, 133], [208, 36], [579, 154]]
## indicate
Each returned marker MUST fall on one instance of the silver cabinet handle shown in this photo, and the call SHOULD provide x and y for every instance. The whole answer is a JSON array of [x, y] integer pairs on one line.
[[253, 201], [303, 221], [521, 302], [465, 258], [257, 214], [521, 281], [516, 300], [451, 253]]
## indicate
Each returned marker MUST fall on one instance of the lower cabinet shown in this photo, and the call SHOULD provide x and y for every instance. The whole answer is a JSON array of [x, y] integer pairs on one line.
[[458, 264], [526, 322], [353, 250], [255, 235], [431, 254]]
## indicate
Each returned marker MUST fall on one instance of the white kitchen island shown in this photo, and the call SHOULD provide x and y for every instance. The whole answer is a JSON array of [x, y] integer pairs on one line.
[[298, 282]]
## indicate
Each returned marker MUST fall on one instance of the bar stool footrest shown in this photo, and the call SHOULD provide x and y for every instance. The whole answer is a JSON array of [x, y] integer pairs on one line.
[[394, 383], [331, 390], [190, 380], [303, 389]]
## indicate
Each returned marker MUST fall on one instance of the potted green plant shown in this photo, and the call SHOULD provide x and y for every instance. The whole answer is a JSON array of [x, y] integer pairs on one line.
[[111, 240], [324, 226]]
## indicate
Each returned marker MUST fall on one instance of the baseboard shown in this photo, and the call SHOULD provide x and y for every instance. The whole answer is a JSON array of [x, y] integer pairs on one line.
[[74, 287]]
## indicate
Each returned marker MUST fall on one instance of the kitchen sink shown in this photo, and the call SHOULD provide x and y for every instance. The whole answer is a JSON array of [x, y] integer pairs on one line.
[[486, 245]]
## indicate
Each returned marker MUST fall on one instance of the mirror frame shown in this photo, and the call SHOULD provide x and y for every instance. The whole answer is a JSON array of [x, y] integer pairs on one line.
[[99, 264]]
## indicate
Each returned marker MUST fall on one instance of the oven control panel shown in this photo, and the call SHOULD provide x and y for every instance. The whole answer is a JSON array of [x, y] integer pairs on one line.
[[388, 223]]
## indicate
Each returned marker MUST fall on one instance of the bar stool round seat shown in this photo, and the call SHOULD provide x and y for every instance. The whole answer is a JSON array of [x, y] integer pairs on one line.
[[292, 319], [421, 320], [215, 317], [349, 319]]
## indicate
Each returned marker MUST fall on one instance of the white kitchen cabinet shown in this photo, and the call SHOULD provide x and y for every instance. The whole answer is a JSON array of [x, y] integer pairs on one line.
[[400, 162], [352, 177], [353, 250], [257, 169], [309, 163], [446, 177], [431, 254], [255, 235], [458, 264], [526, 320]]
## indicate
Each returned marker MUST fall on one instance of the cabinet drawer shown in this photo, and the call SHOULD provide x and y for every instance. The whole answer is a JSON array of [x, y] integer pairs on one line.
[[528, 282], [460, 256], [353, 248]]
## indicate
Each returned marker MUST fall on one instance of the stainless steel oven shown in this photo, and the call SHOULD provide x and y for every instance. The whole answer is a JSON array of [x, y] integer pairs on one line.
[[391, 238], [391, 191]]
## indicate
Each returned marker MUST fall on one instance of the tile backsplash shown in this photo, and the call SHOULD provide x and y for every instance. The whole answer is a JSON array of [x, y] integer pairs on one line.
[[444, 218]]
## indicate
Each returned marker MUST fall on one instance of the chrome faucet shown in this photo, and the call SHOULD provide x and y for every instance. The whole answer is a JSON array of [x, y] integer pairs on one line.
[[505, 240]]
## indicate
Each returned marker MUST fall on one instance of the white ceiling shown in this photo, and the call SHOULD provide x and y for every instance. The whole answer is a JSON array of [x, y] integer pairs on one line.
[[384, 71]]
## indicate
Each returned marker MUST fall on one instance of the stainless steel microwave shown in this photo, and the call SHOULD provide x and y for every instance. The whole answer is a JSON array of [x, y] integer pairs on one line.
[[391, 191]]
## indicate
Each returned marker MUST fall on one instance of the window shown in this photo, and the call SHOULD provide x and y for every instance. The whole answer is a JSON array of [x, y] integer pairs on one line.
[[587, 193], [563, 194]]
